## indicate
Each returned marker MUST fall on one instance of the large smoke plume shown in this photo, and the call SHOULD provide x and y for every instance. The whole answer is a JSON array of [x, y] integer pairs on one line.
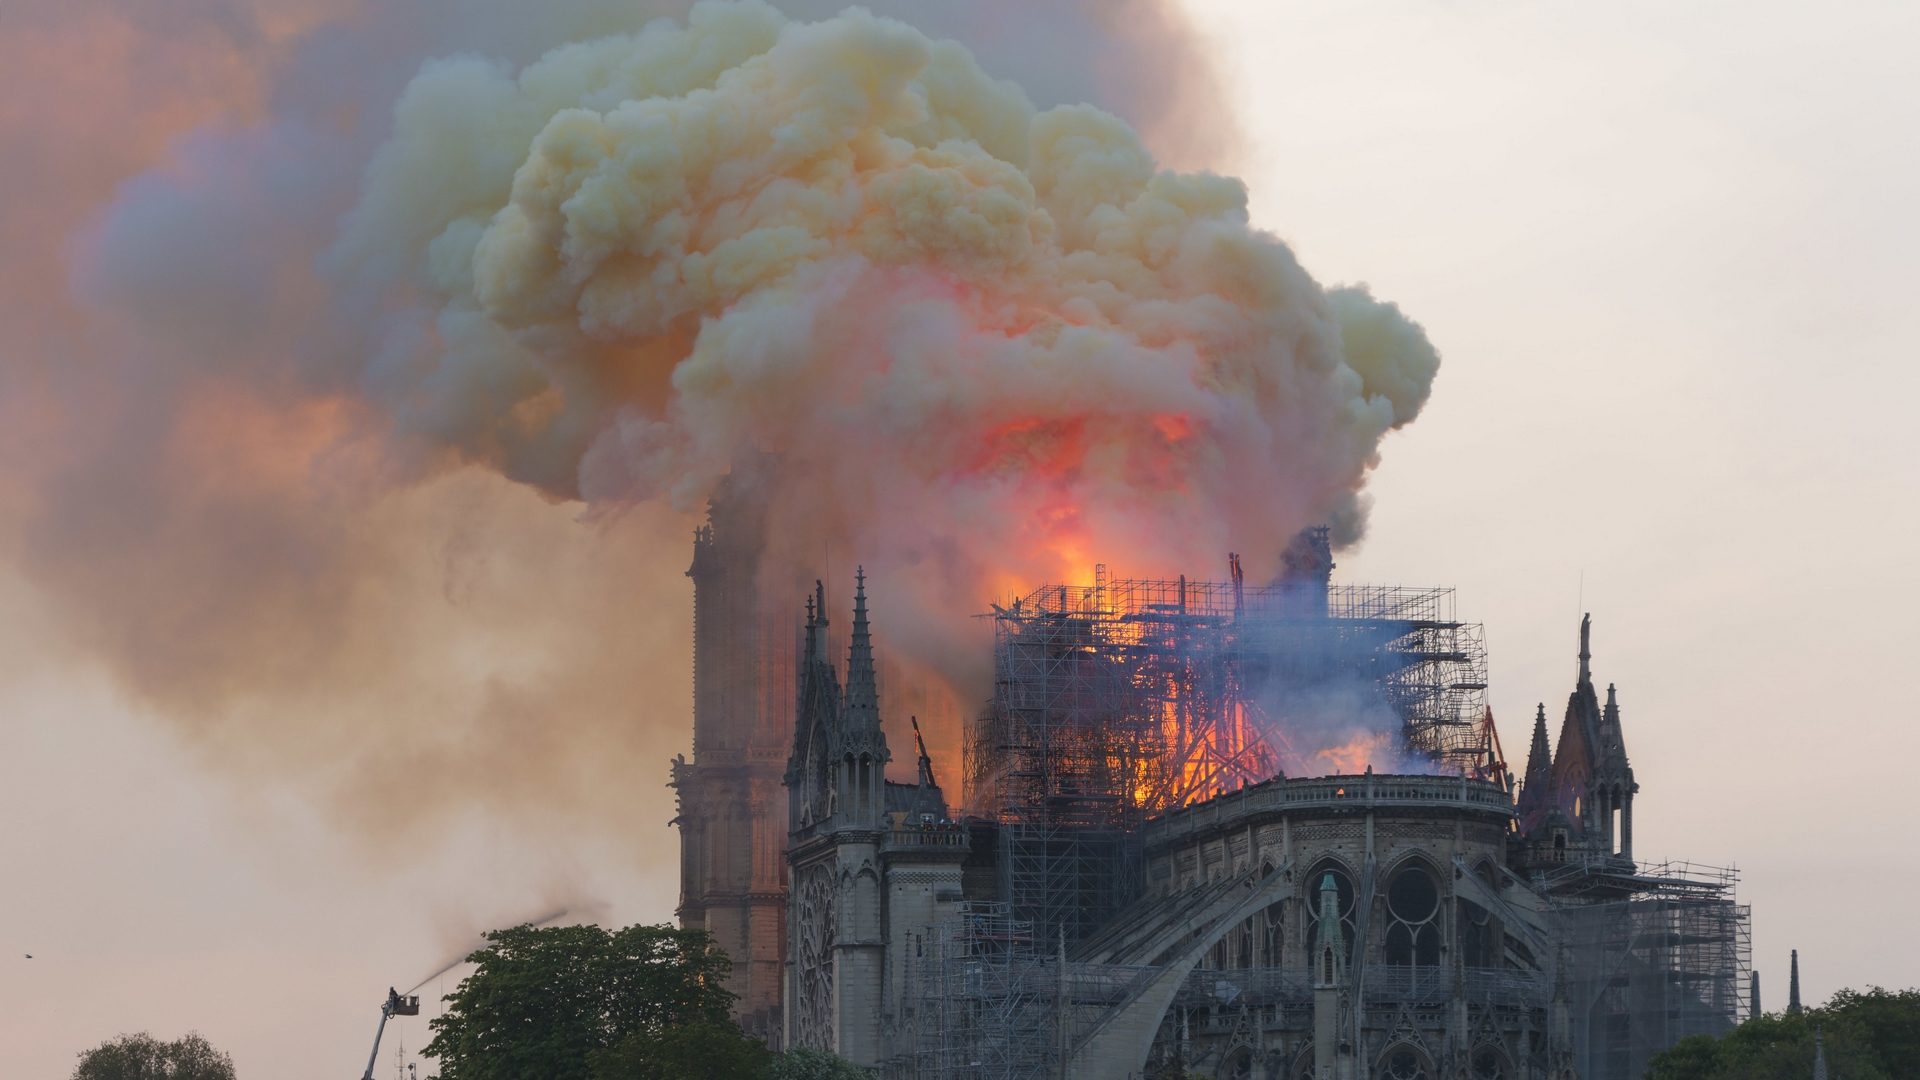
[[347, 385]]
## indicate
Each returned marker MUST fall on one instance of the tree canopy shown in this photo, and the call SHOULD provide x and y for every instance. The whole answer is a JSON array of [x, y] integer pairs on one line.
[[814, 1065], [642, 1003], [544, 1001], [143, 1057], [698, 1051], [1869, 1035]]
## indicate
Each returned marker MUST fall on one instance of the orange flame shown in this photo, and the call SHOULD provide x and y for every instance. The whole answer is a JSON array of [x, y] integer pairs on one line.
[[1355, 755]]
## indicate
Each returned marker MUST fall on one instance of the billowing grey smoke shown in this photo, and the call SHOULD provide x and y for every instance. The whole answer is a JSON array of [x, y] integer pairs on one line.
[[299, 456]]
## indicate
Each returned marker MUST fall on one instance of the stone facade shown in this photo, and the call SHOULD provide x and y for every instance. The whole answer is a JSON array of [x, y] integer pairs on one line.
[[872, 862], [1396, 942], [1407, 927], [731, 802]]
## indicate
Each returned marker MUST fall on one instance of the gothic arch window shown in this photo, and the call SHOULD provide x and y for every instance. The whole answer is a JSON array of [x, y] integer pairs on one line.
[[813, 958], [1405, 1062], [1273, 936], [817, 782], [1480, 936], [1413, 910], [1490, 1064], [1487, 874], [1343, 886]]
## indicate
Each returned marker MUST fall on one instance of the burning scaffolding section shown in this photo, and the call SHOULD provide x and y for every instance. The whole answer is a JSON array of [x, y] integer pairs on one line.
[[1130, 697]]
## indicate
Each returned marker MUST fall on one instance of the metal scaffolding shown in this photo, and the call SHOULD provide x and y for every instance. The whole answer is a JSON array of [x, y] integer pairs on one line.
[[1118, 702], [987, 1007], [1123, 699], [1139, 696], [1644, 970]]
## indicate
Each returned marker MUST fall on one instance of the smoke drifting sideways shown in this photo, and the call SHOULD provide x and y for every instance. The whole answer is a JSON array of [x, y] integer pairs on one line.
[[303, 452], [476, 941], [1319, 702]]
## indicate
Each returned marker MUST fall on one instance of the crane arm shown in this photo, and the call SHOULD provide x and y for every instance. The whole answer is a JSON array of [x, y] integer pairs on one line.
[[395, 1005], [377, 1032]]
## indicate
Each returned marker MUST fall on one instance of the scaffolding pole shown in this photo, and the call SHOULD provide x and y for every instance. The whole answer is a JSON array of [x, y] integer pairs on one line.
[[1122, 700], [1663, 961], [988, 1006]]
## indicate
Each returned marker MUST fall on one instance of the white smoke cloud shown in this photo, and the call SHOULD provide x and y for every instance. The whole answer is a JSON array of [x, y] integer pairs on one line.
[[845, 244], [314, 341]]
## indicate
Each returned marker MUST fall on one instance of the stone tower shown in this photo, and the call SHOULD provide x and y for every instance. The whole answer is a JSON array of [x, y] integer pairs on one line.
[[876, 865], [731, 813], [1593, 783], [837, 801]]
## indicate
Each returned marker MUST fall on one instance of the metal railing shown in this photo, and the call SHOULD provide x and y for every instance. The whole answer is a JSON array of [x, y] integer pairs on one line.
[[933, 837], [1365, 791]]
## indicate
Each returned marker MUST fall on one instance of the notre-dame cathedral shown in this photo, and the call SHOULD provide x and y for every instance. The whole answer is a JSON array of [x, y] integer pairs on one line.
[[1442, 918]]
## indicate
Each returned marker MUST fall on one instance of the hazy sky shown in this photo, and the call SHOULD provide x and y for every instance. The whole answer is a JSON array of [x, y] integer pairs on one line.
[[1668, 255]]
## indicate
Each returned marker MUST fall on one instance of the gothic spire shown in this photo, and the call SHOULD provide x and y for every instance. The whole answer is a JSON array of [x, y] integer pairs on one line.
[[818, 706], [813, 613], [863, 693], [1537, 783], [1327, 935], [802, 689], [1793, 986], [1613, 737], [1586, 652], [1819, 1054], [1540, 754], [817, 624]]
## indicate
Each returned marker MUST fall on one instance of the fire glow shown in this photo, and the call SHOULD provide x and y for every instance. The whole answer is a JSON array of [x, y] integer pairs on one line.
[[978, 337], [974, 341], [1133, 697]]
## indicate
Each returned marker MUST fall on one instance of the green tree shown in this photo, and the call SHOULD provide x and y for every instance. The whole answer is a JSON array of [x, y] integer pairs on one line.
[[1868, 1035], [703, 1050], [1889, 1021], [1692, 1058], [143, 1057], [803, 1064], [569, 1000]]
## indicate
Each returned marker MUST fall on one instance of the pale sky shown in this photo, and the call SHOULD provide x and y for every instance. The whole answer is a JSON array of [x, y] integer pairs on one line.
[[1668, 254]]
